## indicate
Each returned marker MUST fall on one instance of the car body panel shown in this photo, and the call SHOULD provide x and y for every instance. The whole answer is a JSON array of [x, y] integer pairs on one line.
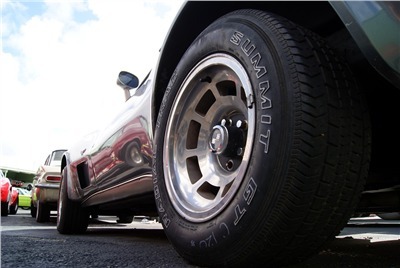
[[45, 190], [14, 197], [101, 168], [5, 188], [375, 26]]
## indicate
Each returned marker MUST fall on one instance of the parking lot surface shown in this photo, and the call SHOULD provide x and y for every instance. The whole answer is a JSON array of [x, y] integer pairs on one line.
[[365, 242]]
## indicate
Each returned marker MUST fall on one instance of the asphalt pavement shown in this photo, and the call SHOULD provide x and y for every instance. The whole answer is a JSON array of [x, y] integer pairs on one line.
[[365, 242]]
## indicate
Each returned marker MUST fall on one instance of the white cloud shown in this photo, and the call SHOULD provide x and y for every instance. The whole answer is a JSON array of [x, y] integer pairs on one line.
[[58, 69]]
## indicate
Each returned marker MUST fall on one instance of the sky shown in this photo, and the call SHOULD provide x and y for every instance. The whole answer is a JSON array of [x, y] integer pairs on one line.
[[59, 63]]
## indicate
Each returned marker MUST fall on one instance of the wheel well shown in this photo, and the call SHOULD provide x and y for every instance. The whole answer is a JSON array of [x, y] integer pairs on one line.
[[316, 16], [82, 175]]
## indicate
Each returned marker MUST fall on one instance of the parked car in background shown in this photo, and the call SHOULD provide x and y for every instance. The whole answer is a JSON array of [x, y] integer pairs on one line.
[[46, 184], [6, 192], [24, 198], [269, 124], [9, 196]]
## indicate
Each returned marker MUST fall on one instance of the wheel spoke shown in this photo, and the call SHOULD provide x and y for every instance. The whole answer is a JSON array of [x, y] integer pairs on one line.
[[200, 152]]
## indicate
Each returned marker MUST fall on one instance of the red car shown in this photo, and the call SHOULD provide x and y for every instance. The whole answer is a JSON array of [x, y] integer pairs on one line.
[[9, 197]]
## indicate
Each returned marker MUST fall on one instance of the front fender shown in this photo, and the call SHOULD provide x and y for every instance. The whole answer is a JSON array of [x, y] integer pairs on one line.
[[374, 26], [74, 191]]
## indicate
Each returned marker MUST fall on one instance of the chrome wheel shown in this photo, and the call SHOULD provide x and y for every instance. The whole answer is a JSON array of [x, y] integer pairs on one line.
[[208, 138]]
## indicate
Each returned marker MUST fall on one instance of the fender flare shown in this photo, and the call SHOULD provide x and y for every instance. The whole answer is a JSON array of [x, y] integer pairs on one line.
[[73, 188]]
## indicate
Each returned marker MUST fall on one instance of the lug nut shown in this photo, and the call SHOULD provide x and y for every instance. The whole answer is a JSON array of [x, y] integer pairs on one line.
[[241, 124], [229, 165], [225, 122]]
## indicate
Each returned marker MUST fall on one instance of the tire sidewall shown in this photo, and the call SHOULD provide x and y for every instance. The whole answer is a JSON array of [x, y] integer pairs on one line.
[[42, 212], [33, 210], [4, 208], [62, 199], [263, 182], [71, 217], [14, 208]]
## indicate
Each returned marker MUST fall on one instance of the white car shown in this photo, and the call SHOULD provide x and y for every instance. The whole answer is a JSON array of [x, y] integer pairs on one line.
[[46, 186]]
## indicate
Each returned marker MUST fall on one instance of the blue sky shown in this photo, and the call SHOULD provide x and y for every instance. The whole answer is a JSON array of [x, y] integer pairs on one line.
[[59, 63]]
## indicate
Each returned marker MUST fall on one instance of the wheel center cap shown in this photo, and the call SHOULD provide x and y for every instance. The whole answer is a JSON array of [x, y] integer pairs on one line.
[[218, 139]]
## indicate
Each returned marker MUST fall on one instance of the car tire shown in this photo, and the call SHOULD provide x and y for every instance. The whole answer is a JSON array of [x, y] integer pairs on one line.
[[262, 144], [42, 212], [14, 208], [33, 210], [133, 155], [4, 209], [71, 217]]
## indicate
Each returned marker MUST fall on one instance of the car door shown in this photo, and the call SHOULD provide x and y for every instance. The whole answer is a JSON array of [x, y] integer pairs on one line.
[[122, 151]]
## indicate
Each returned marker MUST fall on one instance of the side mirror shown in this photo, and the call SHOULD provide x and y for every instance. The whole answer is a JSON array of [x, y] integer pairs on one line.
[[127, 81]]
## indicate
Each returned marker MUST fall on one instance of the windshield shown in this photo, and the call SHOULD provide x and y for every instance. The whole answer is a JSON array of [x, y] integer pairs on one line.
[[55, 159]]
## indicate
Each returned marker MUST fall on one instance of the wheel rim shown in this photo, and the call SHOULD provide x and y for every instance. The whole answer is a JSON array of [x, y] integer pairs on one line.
[[135, 155], [208, 138]]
